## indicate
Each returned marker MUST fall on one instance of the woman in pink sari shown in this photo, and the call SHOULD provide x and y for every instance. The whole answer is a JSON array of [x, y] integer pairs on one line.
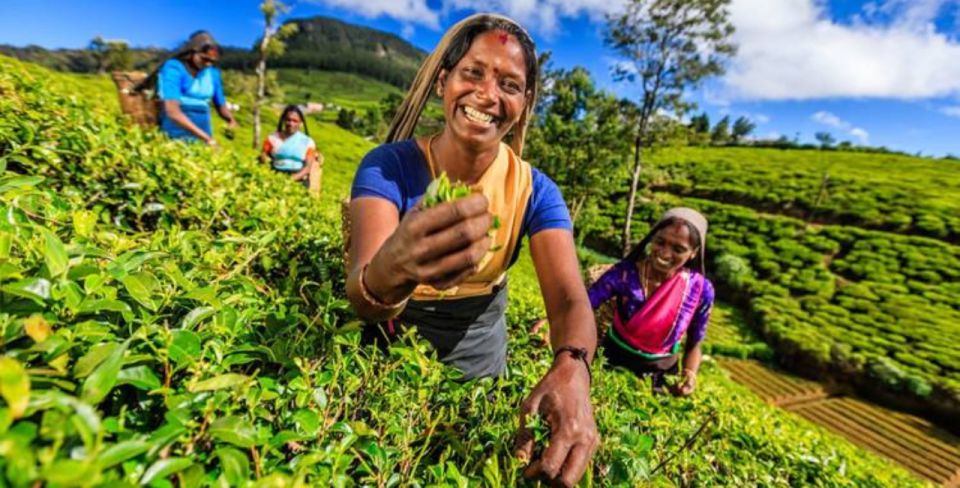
[[660, 294]]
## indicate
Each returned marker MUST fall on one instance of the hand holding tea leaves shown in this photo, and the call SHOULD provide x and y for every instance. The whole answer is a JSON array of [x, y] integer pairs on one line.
[[442, 190]]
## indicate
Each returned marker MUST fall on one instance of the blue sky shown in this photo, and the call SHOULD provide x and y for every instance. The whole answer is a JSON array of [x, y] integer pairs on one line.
[[882, 72]]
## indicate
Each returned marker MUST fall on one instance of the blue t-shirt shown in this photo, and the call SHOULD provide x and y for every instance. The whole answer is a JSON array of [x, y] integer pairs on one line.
[[175, 82], [398, 172]]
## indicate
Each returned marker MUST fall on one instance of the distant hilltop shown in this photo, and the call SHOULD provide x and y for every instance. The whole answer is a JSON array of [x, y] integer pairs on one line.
[[329, 44], [321, 43]]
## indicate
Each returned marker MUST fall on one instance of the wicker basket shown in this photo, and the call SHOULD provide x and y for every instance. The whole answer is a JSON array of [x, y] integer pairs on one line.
[[140, 106]]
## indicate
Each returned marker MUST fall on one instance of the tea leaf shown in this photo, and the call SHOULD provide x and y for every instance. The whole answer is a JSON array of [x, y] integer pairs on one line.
[[54, 254], [104, 377], [228, 380], [122, 451], [234, 430], [235, 465], [37, 289], [37, 328], [184, 347], [164, 468], [14, 385]]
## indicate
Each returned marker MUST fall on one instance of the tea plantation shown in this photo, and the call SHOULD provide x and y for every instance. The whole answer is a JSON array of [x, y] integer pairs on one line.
[[891, 192], [174, 316], [871, 309]]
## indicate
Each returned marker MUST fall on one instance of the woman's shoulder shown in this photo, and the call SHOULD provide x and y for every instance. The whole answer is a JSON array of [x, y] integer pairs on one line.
[[173, 64], [392, 152], [708, 289]]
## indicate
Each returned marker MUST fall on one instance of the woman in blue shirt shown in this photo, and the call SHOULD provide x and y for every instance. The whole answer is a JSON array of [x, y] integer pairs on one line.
[[186, 83]]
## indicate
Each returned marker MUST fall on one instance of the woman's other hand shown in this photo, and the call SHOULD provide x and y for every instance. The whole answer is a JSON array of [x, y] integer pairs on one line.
[[562, 397], [687, 385], [300, 175]]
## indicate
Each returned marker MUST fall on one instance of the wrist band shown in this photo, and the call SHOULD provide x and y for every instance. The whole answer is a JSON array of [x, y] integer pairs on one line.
[[579, 353], [373, 300]]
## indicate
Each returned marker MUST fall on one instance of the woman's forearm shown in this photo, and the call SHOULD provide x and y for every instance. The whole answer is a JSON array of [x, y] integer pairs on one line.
[[573, 325], [363, 298], [172, 109], [691, 358], [225, 113]]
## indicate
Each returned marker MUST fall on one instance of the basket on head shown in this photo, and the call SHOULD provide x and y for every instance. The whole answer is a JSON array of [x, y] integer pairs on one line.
[[139, 105]]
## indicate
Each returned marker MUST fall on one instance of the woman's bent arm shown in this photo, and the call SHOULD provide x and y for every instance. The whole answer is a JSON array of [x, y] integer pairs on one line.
[[172, 109]]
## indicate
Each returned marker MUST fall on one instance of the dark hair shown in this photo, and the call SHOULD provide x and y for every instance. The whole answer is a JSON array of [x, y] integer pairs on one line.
[[640, 249], [287, 110], [460, 44]]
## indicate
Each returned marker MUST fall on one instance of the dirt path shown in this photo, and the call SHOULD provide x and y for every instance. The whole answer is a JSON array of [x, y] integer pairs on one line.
[[927, 451]]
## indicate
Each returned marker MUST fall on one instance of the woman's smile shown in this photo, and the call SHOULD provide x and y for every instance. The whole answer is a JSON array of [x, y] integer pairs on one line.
[[479, 117]]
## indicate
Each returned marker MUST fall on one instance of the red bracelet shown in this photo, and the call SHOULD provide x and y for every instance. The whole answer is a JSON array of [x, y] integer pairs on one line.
[[579, 353], [371, 298]]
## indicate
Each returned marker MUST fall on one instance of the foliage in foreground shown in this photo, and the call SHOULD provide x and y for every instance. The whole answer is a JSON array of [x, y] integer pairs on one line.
[[172, 316]]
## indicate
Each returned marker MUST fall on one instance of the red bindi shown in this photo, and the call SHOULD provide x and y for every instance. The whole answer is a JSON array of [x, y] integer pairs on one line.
[[503, 36]]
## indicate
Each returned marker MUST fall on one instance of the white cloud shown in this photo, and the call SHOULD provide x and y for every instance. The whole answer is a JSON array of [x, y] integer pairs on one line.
[[541, 15], [407, 31], [411, 11], [952, 111], [830, 120], [791, 50]]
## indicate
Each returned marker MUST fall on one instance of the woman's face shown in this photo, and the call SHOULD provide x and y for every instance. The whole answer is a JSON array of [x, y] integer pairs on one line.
[[671, 248], [203, 60], [292, 123], [485, 93]]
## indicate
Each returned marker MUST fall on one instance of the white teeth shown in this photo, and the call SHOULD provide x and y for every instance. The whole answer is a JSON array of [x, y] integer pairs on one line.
[[663, 262], [477, 116]]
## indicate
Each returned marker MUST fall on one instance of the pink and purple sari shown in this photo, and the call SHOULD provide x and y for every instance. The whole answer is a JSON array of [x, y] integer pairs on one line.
[[652, 327]]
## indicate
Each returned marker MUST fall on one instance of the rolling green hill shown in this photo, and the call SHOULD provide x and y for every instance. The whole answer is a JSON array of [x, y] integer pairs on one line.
[[327, 44]]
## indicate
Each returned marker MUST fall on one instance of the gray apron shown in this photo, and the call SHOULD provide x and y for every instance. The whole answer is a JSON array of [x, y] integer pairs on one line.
[[469, 334]]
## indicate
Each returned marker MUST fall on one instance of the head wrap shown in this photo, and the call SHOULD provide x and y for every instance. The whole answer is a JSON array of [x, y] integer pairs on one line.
[[197, 42]]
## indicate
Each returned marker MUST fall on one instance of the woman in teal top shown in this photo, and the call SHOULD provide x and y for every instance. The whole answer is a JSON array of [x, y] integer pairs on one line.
[[186, 83], [290, 149]]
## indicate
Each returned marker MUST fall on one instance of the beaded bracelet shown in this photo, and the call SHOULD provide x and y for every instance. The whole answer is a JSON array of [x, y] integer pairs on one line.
[[576, 353], [372, 299]]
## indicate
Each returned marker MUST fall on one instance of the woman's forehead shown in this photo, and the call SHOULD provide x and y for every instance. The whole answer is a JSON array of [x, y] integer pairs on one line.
[[500, 49], [677, 233]]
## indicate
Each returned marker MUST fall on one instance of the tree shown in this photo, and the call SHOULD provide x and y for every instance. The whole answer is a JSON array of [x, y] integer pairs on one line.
[[700, 123], [110, 54], [666, 46], [742, 127], [579, 136], [270, 45], [825, 139], [721, 132]]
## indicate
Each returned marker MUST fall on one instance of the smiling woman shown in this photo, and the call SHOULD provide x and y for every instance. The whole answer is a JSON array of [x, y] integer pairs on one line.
[[661, 295], [436, 269]]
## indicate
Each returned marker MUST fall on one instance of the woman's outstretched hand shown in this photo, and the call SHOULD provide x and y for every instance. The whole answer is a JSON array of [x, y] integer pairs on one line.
[[562, 398], [439, 246]]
